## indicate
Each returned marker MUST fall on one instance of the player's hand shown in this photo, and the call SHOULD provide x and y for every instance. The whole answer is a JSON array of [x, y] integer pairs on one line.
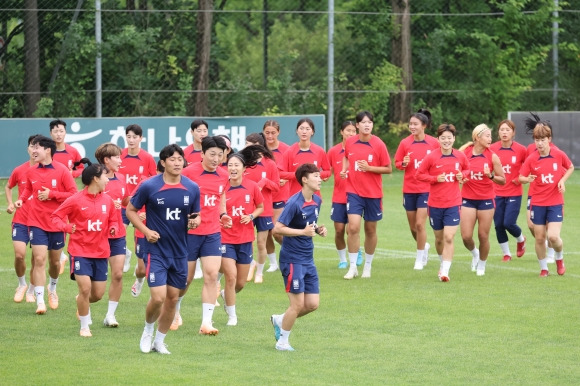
[[459, 176], [117, 203], [194, 219], [226, 221], [487, 171], [43, 194], [343, 174], [321, 230], [441, 177], [531, 178], [310, 230], [18, 204], [70, 228], [245, 219], [151, 236], [283, 182], [406, 160], [10, 209], [561, 186], [363, 165]]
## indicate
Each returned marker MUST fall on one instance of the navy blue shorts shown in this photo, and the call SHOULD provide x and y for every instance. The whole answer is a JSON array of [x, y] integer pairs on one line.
[[118, 246], [124, 215], [54, 240], [241, 253], [442, 217], [479, 204], [279, 204], [166, 271], [95, 268], [371, 209], [20, 233], [541, 215], [140, 243], [338, 213], [414, 201], [529, 202], [263, 223], [300, 278], [202, 246]]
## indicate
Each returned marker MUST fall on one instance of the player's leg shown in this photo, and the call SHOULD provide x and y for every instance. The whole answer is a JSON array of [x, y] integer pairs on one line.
[[115, 288], [484, 220], [467, 225]]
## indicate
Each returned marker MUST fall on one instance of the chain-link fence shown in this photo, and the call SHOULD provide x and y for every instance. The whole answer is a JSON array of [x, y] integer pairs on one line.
[[467, 61]]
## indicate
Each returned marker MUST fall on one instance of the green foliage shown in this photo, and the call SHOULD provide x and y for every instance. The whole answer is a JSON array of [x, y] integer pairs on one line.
[[44, 108], [8, 110]]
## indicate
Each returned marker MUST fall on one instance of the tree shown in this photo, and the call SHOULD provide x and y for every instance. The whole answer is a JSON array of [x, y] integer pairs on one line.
[[401, 57], [202, 58], [31, 58]]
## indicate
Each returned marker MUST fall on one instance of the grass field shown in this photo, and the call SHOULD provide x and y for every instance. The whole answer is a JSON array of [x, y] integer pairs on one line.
[[399, 327]]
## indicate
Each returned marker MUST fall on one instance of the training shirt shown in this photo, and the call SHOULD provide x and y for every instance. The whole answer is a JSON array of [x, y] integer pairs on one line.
[[282, 193], [363, 184], [212, 186], [241, 200], [548, 170], [478, 186], [167, 208], [417, 150], [294, 157], [54, 176], [192, 155], [512, 158], [136, 168], [68, 157], [117, 190], [335, 156], [265, 174], [443, 194], [18, 178]]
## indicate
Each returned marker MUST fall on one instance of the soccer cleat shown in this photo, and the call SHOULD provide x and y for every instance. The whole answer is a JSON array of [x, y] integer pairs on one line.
[[160, 347], [506, 258], [272, 268], [343, 265], [561, 267], [127, 263], [276, 327], [110, 321], [19, 294], [474, 261], [521, 248], [283, 347], [550, 259], [480, 272], [177, 321], [30, 298], [53, 300], [251, 271], [351, 274], [418, 264], [41, 309], [136, 288], [366, 274], [146, 342], [208, 330], [443, 278], [426, 254], [258, 279], [63, 260], [232, 321], [359, 259], [544, 273], [198, 273], [86, 333]]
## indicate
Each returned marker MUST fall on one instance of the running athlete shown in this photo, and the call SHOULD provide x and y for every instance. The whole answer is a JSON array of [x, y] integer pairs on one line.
[[199, 130]]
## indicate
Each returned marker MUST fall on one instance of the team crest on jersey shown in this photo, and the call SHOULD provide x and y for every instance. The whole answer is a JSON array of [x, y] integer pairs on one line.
[[428, 151], [513, 159], [104, 208], [555, 166], [370, 158], [456, 165], [295, 284], [70, 164], [140, 169], [123, 192], [263, 174], [186, 200], [247, 198], [77, 265], [152, 277], [54, 183], [221, 189], [223, 249]]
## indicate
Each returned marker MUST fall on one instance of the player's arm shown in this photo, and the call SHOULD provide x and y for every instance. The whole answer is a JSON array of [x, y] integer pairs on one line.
[[562, 182], [60, 217], [284, 230], [225, 218], [8, 191], [497, 176], [344, 171], [133, 216]]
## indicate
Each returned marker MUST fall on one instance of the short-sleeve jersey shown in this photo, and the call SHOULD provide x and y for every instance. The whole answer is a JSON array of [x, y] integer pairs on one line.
[[18, 179], [192, 155], [211, 186], [167, 207], [443, 194], [512, 158], [416, 150], [365, 184], [241, 200], [297, 214], [335, 156], [68, 157], [265, 174], [294, 157], [548, 170], [531, 149], [478, 186], [137, 168], [282, 193], [117, 190]]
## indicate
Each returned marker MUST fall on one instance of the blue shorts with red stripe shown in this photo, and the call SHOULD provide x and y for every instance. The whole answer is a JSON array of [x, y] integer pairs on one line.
[[118, 246], [95, 268], [20, 233], [163, 270], [300, 278]]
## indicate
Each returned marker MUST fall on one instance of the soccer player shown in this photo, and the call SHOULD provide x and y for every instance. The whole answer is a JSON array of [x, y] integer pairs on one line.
[[338, 211], [244, 204], [109, 154], [547, 171], [199, 130], [204, 242], [298, 225], [365, 160], [20, 236], [137, 165], [92, 218], [445, 168], [508, 197], [478, 195], [408, 157], [170, 200], [49, 183]]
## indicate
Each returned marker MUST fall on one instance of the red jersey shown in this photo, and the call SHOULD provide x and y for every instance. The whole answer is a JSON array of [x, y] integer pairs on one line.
[[18, 178], [478, 186], [363, 184], [57, 178], [265, 174], [443, 194], [211, 187], [294, 157], [282, 193], [416, 150], [549, 171], [68, 157], [335, 156], [241, 200], [117, 190], [192, 155], [94, 215], [137, 168], [138, 233], [512, 158]]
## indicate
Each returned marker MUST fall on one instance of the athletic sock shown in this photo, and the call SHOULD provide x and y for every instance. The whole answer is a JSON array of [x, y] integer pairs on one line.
[[30, 290], [559, 255], [505, 248], [543, 264], [207, 313], [284, 335], [39, 292], [352, 257], [159, 337], [260, 269], [445, 267], [231, 310], [84, 321], [369, 259], [178, 304], [521, 237], [21, 281], [272, 259], [475, 253], [149, 327], [112, 308], [341, 255], [140, 280], [52, 285]]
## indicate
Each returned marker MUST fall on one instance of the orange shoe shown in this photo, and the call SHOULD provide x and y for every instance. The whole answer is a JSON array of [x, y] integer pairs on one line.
[[561, 267], [208, 330], [41, 309], [259, 279], [30, 298], [53, 300], [86, 332], [177, 321], [61, 269], [20, 291], [251, 271]]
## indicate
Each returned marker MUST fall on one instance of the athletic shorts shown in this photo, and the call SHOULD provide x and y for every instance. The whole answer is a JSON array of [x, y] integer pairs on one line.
[[54, 240], [279, 204], [338, 213], [95, 268], [20, 233], [478, 204], [541, 215], [263, 223], [414, 201], [140, 243], [241, 253], [442, 217], [529, 202], [118, 246], [124, 215], [300, 278], [202, 246], [371, 209], [166, 271]]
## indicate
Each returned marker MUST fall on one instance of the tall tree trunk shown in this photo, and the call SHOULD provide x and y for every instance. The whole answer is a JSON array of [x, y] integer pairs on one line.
[[31, 58], [401, 57], [202, 58]]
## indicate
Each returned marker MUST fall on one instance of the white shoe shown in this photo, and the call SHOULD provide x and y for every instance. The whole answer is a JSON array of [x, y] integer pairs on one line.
[[474, 261], [351, 274], [418, 264], [146, 342], [136, 288], [480, 272], [366, 272], [232, 321], [426, 254], [127, 264], [283, 347], [198, 272], [110, 321], [159, 347], [272, 268]]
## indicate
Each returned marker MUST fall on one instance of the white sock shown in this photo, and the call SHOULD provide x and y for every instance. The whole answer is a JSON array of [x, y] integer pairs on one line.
[[159, 337], [178, 304], [475, 253], [284, 335], [481, 265], [445, 266], [505, 248], [440, 258], [272, 259], [198, 267], [420, 254], [521, 238], [559, 255], [543, 264], [39, 292], [84, 321], [52, 285], [63, 257], [550, 252], [140, 280], [369, 259], [220, 275], [207, 313], [260, 269], [112, 308], [30, 289], [21, 281], [341, 255], [149, 327], [352, 257], [231, 310]]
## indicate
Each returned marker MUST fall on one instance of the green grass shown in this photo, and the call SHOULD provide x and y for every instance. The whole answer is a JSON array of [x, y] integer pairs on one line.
[[401, 326]]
